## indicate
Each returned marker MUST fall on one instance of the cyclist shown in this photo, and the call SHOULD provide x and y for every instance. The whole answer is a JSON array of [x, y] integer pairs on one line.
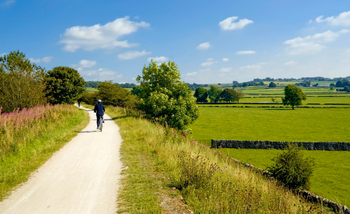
[[99, 110]]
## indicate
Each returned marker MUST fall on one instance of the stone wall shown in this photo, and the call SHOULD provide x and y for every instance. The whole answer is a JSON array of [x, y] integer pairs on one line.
[[249, 144]]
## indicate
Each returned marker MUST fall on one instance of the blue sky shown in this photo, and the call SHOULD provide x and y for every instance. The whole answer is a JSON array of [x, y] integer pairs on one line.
[[210, 41]]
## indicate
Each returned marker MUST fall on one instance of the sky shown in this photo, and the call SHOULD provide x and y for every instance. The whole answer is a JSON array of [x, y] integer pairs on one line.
[[210, 41]]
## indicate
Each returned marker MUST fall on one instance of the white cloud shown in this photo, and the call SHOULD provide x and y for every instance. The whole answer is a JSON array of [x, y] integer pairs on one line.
[[226, 69], [312, 44], [8, 3], [158, 59], [343, 19], [87, 63], [46, 59], [101, 74], [255, 66], [203, 46], [225, 59], [245, 52], [209, 62], [43, 60], [290, 63], [191, 74], [100, 36], [132, 54], [229, 24]]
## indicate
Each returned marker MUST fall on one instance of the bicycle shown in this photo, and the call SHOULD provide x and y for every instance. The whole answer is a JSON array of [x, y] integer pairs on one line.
[[100, 122]]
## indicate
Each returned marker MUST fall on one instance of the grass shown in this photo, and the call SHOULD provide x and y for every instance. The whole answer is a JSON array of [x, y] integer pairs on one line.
[[157, 159], [331, 178], [272, 124], [41, 141]]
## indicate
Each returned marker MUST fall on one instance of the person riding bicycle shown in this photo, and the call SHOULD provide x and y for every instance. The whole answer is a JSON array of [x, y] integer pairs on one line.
[[99, 110]]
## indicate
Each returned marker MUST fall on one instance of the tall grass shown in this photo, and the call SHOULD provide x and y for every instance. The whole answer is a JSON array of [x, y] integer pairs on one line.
[[209, 181], [29, 137]]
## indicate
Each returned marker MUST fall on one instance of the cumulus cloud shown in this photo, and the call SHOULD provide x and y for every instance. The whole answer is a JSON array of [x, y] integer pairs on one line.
[[7, 3], [203, 46], [245, 52], [191, 74], [132, 54], [87, 63], [209, 62], [100, 74], [158, 59], [312, 44], [226, 69], [343, 19], [100, 36], [290, 63], [255, 66], [43, 60], [225, 59], [229, 24]]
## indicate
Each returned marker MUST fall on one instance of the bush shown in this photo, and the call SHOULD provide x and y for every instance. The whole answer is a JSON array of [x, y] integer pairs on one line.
[[292, 169]]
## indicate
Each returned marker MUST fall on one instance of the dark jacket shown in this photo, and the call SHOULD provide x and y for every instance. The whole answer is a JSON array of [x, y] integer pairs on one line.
[[99, 109]]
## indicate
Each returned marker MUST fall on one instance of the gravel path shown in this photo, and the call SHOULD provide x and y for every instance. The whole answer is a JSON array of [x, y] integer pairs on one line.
[[82, 177]]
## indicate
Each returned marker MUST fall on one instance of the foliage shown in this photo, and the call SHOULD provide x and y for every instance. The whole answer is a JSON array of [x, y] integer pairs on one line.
[[342, 83], [293, 96], [201, 94], [165, 97], [231, 95], [64, 85], [214, 94], [305, 83], [292, 169], [136, 90], [195, 85], [21, 82], [114, 95], [272, 85], [246, 84], [125, 85], [92, 84]]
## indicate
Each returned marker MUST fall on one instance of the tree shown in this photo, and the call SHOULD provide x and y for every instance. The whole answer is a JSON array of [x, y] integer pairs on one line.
[[214, 94], [201, 94], [292, 169], [114, 95], [293, 96], [165, 97], [231, 95], [21, 82], [272, 85], [136, 90], [347, 88], [64, 85]]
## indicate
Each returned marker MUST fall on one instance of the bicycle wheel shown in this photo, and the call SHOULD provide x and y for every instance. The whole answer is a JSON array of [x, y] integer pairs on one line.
[[101, 124]]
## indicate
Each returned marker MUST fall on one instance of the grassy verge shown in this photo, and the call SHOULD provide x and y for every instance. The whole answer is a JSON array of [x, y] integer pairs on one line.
[[157, 158], [16, 167]]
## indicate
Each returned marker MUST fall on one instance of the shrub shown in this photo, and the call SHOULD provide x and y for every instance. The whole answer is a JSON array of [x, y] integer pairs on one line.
[[292, 169]]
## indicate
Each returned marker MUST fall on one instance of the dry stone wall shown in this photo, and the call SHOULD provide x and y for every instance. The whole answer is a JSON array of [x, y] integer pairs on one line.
[[249, 144]]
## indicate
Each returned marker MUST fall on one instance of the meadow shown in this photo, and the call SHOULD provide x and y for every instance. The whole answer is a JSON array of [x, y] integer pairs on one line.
[[330, 125]]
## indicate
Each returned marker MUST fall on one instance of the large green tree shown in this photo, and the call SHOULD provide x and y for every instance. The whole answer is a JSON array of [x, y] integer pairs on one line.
[[214, 94], [112, 94], [231, 95], [201, 94], [293, 96], [21, 82], [165, 97], [64, 85]]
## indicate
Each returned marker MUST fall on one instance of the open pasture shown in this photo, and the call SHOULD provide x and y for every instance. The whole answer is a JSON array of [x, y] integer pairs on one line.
[[272, 124], [331, 178], [332, 167]]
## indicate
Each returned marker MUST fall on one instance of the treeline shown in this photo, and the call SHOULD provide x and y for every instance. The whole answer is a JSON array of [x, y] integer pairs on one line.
[[95, 84], [309, 79], [24, 84], [214, 95], [195, 85], [246, 84]]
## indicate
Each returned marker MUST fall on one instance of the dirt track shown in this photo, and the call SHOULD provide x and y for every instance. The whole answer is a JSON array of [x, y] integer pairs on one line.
[[80, 178]]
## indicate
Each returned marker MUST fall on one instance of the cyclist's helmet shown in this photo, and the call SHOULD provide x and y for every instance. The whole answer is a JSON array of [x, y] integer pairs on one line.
[[99, 100]]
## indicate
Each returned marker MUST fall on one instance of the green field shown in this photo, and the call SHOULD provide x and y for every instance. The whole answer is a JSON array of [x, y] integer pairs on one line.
[[331, 178], [332, 168]]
